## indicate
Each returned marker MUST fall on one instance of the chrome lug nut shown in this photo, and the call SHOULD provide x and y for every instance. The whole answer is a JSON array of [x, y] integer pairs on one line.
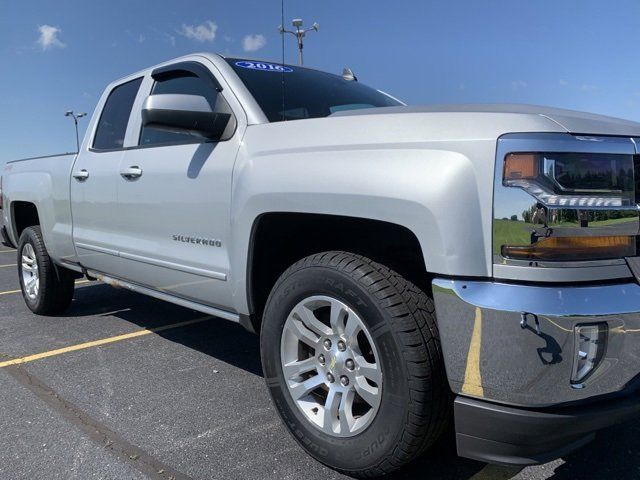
[[350, 364], [321, 359], [344, 381], [331, 378], [341, 346], [327, 344]]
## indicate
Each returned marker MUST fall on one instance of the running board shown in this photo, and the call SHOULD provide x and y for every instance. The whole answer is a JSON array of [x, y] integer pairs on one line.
[[216, 312]]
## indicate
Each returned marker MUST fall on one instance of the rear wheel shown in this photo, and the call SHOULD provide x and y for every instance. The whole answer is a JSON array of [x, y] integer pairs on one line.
[[352, 359], [47, 290]]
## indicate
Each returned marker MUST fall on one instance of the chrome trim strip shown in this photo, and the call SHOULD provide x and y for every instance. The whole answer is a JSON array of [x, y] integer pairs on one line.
[[159, 263], [175, 266], [95, 248], [561, 274], [114, 282], [574, 301]]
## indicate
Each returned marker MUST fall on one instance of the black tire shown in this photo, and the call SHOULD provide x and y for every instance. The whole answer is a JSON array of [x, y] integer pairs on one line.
[[416, 401], [56, 284]]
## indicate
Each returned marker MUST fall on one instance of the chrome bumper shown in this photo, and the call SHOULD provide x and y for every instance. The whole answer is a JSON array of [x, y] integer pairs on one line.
[[489, 354]]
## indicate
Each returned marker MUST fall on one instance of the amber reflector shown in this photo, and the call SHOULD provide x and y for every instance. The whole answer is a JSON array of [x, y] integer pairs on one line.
[[573, 248], [520, 166]]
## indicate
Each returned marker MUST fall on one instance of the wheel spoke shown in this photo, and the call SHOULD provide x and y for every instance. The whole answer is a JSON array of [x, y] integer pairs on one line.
[[298, 367], [368, 393], [346, 412], [336, 318], [300, 389], [27, 267], [351, 328], [331, 404], [368, 370], [310, 321], [303, 333]]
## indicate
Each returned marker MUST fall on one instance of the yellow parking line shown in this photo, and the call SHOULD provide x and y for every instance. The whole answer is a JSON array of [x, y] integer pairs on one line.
[[103, 341], [8, 292], [9, 265], [472, 378], [7, 251]]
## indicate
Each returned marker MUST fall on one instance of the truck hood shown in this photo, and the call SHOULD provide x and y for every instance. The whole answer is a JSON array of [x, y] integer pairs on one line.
[[572, 121]]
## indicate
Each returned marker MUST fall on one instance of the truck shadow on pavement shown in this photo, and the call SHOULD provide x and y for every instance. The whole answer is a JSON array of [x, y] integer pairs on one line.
[[615, 453]]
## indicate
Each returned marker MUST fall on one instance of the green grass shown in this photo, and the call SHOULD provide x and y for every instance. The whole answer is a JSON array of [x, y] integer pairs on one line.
[[507, 232]]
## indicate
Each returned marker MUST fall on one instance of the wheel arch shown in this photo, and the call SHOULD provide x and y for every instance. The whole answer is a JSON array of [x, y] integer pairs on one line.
[[23, 215], [274, 246]]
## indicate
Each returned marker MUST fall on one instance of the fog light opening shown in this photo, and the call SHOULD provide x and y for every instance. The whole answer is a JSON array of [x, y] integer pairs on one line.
[[590, 344]]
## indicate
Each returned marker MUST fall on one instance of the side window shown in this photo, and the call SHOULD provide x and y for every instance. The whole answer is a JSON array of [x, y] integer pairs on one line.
[[112, 125], [186, 83]]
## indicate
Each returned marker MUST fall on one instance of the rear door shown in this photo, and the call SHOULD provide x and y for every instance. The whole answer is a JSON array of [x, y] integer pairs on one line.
[[175, 211], [94, 181]]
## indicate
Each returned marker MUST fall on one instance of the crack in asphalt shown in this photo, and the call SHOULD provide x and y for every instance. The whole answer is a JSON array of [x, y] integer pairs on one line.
[[94, 429]]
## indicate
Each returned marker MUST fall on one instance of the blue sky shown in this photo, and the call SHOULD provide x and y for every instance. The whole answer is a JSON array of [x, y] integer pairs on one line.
[[577, 54]]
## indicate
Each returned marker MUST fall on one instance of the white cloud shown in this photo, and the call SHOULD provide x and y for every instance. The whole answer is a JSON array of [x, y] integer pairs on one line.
[[588, 87], [141, 38], [49, 37], [251, 43], [517, 84], [563, 83], [205, 32]]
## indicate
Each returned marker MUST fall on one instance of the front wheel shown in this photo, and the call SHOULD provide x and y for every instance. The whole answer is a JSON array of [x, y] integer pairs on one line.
[[47, 290], [351, 355]]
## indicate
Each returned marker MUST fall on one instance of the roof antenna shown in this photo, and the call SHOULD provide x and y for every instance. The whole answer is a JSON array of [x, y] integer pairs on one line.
[[347, 74], [282, 35]]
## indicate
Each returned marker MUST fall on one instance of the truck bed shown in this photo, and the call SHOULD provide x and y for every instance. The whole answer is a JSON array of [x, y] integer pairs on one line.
[[50, 175]]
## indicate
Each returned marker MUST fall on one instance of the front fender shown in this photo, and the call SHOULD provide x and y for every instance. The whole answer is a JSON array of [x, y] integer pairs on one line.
[[432, 192]]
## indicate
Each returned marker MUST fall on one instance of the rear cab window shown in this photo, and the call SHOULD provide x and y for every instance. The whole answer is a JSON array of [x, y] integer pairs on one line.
[[112, 126]]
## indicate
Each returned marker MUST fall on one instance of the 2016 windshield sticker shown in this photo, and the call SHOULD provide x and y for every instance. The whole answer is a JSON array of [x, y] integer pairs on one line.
[[265, 67]]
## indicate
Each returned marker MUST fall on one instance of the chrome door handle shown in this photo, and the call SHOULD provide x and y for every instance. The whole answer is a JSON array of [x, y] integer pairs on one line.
[[81, 176], [131, 172]]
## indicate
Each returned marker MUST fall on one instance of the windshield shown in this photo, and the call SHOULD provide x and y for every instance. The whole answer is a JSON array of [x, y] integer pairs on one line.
[[307, 93]]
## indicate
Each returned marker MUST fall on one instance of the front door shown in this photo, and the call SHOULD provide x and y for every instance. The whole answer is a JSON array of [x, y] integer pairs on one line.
[[174, 203]]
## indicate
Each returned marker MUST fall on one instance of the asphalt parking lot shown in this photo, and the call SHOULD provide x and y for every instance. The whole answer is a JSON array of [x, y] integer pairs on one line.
[[132, 387]]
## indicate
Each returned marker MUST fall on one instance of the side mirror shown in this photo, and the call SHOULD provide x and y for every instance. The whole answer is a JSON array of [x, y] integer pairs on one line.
[[182, 113]]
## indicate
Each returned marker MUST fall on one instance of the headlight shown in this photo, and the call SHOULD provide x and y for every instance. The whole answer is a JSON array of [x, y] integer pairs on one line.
[[582, 207], [561, 180]]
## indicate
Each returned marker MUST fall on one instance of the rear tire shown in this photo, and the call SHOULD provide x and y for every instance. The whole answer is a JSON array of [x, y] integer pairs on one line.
[[46, 289], [414, 404]]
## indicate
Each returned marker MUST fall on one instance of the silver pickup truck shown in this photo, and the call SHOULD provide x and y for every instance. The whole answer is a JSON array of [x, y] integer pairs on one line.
[[407, 268]]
